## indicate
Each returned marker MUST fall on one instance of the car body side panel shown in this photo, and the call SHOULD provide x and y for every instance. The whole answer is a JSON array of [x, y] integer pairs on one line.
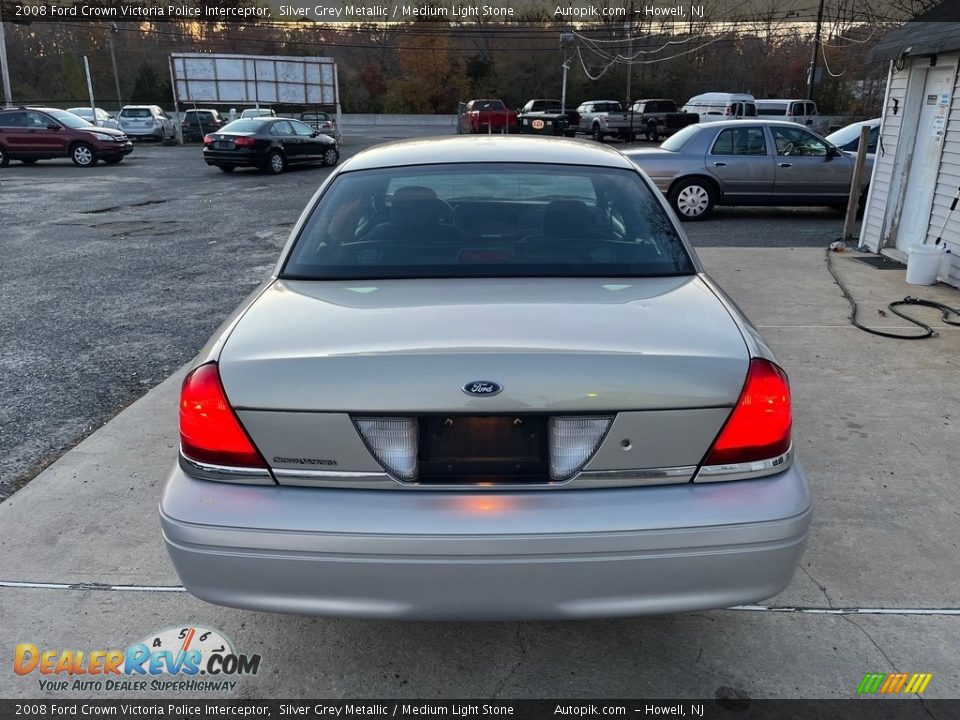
[[658, 439], [304, 440]]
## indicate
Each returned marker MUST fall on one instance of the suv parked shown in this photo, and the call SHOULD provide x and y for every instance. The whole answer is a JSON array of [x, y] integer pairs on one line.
[[29, 134], [322, 122], [257, 112], [146, 121], [197, 123]]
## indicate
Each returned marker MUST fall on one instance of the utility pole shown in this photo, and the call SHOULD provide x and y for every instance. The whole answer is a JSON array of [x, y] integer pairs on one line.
[[815, 55], [567, 39], [93, 105], [4, 68], [113, 58], [629, 100], [629, 29]]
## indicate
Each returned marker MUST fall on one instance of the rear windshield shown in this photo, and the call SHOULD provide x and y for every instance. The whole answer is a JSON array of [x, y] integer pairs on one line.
[[488, 220], [607, 107], [488, 105], [136, 113], [772, 110], [195, 118], [243, 125], [679, 139]]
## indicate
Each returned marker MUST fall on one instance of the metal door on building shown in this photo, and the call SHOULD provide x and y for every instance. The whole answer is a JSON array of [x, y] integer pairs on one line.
[[925, 158]]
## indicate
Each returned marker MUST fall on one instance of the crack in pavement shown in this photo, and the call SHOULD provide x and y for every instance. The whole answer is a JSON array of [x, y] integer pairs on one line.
[[872, 641], [887, 658], [522, 651], [823, 588], [114, 208]]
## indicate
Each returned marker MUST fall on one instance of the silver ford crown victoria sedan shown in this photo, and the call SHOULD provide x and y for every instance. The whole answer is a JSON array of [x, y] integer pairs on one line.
[[488, 379]]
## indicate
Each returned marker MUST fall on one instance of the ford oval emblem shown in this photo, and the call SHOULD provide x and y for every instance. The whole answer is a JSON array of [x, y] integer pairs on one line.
[[482, 388]]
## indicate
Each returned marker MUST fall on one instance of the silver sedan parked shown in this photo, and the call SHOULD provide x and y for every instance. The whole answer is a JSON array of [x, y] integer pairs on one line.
[[749, 162], [487, 379]]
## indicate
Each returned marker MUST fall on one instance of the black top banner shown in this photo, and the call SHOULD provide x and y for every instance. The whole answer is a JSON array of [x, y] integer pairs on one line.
[[560, 12], [734, 708]]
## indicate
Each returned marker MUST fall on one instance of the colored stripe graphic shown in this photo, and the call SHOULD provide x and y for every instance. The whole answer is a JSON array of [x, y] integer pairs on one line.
[[871, 682], [894, 683]]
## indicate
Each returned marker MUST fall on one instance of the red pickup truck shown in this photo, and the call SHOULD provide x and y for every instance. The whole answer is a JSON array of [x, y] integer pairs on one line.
[[481, 116]]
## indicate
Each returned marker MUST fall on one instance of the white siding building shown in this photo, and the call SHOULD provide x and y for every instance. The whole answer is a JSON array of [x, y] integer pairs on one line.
[[916, 174]]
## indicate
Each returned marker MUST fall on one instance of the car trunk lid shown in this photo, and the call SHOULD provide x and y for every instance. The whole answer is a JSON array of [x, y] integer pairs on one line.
[[410, 346]]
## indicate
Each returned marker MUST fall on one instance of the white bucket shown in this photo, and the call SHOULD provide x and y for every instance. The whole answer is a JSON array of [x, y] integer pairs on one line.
[[923, 263]]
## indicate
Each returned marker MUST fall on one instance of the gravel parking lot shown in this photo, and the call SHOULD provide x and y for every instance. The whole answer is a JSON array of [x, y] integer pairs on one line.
[[116, 275]]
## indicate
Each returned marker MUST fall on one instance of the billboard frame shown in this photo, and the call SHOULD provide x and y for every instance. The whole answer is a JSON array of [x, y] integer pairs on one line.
[[254, 80]]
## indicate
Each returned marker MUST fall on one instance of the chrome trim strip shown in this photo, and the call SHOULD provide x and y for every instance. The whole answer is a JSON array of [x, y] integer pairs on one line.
[[225, 473], [336, 479], [584, 480], [637, 477], [329, 474], [745, 471]]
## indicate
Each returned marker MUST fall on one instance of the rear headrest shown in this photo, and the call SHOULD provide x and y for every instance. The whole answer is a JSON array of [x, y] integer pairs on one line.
[[418, 205], [567, 219]]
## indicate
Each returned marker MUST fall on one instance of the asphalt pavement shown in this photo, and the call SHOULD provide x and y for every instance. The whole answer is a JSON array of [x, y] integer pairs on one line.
[[115, 276]]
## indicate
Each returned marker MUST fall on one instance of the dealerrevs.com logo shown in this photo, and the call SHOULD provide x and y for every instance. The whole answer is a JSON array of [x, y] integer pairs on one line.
[[190, 658]]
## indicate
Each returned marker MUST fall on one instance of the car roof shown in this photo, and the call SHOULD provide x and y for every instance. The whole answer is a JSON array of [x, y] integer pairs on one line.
[[750, 121], [488, 149]]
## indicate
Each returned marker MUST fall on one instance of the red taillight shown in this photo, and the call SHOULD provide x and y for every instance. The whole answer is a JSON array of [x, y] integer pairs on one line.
[[207, 139], [209, 430], [243, 142], [759, 426]]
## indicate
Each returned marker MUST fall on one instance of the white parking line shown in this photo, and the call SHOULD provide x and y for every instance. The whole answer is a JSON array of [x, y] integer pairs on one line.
[[104, 587], [92, 586], [847, 611]]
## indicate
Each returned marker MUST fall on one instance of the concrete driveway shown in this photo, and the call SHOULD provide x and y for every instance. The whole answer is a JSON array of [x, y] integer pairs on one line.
[[82, 565]]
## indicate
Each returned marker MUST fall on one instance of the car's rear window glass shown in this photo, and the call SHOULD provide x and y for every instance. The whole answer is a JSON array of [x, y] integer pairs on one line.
[[245, 125], [488, 220], [488, 105], [136, 113], [679, 139], [772, 110]]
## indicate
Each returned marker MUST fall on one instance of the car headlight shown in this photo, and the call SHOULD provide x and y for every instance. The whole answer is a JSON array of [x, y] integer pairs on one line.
[[103, 136]]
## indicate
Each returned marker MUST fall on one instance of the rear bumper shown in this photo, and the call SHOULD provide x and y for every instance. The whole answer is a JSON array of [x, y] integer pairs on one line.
[[486, 555], [141, 133], [234, 158]]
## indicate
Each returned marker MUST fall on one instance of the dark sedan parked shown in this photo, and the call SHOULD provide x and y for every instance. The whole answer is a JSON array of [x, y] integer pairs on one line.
[[268, 143]]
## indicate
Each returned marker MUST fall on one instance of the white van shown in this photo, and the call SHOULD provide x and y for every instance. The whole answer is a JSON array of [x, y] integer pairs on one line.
[[715, 106], [792, 110]]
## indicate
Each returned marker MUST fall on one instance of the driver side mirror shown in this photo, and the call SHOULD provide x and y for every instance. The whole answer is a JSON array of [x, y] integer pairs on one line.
[[832, 152], [52, 126], [314, 133]]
